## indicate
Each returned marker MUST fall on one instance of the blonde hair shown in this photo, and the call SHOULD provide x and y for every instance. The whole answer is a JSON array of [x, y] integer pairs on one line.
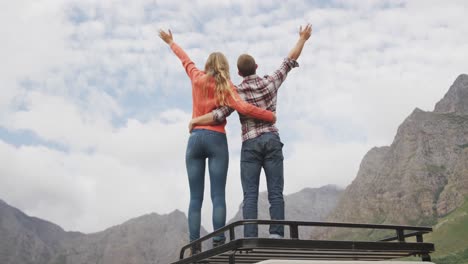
[[217, 66]]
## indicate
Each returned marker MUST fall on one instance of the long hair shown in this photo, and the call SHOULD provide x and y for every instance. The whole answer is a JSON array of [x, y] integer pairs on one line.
[[217, 66]]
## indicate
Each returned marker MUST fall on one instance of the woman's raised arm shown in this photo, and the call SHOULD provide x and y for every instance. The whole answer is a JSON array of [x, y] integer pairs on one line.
[[189, 66]]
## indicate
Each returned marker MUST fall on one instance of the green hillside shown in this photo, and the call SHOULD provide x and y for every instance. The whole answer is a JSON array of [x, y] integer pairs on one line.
[[450, 237]]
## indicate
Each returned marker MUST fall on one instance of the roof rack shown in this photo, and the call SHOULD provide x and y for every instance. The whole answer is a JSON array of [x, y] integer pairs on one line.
[[253, 250]]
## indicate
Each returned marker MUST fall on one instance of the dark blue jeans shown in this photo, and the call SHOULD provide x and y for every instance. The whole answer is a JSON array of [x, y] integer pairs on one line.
[[264, 151], [206, 144]]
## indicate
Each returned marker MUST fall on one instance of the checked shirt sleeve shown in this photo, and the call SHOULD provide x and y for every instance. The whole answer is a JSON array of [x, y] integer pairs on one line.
[[278, 77], [221, 113], [247, 109]]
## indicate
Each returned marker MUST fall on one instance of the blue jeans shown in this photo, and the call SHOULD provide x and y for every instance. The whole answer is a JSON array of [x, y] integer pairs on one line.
[[206, 144], [264, 151]]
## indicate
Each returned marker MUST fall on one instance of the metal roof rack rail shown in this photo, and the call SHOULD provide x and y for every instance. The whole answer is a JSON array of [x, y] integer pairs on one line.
[[254, 250]]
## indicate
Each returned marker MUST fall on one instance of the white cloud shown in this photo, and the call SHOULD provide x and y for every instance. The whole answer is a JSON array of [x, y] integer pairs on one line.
[[93, 77], [33, 43], [318, 158], [130, 171], [55, 119]]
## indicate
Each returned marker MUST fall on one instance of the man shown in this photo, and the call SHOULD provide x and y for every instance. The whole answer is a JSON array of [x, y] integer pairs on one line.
[[261, 147]]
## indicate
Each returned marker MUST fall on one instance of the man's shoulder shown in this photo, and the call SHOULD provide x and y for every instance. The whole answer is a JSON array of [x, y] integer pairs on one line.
[[253, 82]]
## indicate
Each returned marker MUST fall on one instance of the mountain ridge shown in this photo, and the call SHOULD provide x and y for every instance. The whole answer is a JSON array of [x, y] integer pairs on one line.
[[150, 238], [455, 100], [420, 177]]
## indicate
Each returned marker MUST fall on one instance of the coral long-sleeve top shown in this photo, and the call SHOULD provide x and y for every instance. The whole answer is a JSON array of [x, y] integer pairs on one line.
[[205, 101]]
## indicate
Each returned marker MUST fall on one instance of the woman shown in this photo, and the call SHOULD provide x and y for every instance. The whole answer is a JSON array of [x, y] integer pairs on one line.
[[211, 88]]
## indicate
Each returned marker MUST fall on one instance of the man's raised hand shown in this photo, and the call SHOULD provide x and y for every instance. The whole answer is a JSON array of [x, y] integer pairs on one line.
[[305, 34], [166, 36]]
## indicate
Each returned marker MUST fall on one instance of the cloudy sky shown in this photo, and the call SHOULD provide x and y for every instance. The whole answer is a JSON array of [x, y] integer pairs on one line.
[[94, 107]]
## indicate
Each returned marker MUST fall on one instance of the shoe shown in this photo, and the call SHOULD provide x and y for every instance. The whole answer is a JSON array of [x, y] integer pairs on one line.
[[218, 243], [195, 249], [275, 236]]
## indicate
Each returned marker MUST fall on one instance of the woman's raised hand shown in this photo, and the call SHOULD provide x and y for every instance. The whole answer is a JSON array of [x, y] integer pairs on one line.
[[166, 36]]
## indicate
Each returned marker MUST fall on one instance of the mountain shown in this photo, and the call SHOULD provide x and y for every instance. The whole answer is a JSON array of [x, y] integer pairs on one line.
[[455, 101], [309, 204], [148, 239], [422, 176], [27, 239], [151, 238]]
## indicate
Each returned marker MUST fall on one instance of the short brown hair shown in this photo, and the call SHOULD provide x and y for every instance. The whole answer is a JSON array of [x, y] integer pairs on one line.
[[246, 65]]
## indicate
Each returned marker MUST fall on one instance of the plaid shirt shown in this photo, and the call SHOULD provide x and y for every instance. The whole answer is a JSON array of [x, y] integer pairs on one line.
[[261, 92]]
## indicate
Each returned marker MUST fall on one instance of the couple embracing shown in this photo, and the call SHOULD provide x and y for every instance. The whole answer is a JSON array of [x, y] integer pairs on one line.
[[214, 99]]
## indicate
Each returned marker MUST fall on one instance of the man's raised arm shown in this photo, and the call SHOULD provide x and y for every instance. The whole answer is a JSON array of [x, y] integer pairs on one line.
[[278, 77], [304, 35]]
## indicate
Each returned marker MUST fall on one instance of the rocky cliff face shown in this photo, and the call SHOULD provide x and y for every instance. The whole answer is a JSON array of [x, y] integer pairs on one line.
[[455, 101], [27, 239], [422, 175]]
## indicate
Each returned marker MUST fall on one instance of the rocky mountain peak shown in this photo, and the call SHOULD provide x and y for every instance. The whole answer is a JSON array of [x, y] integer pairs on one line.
[[177, 214], [456, 99], [422, 175]]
